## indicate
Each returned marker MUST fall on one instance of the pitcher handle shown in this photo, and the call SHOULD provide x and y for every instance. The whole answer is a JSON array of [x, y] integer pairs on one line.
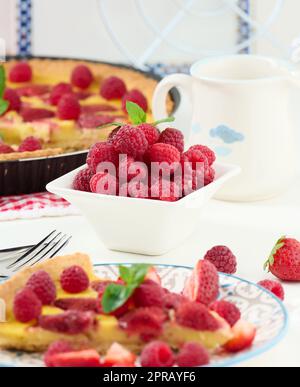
[[184, 111]]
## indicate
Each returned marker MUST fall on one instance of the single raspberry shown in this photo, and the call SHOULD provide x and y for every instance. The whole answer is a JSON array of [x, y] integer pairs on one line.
[[173, 300], [30, 144], [209, 176], [148, 294], [68, 107], [113, 88], [203, 284], [112, 134], [193, 355], [227, 311], [93, 121], [42, 285], [98, 108], [102, 152], [74, 280], [13, 99], [197, 159], [104, 184], [71, 322], [210, 155], [131, 141], [172, 137], [164, 153], [164, 190], [80, 304], [20, 72], [129, 169], [60, 346], [33, 90], [196, 316], [151, 132], [35, 114], [157, 354], [145, 322], [83, 95], [59, 91], [5, 149], [223, 259], [274, 287], [82, 77], [82, 180], [123, 309], [137, 97], [27, 306]]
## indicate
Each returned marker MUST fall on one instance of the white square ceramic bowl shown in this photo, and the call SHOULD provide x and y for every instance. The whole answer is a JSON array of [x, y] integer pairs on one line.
[[141, 226]]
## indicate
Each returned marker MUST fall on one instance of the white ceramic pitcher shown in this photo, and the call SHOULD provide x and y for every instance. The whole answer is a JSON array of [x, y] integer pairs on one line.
[[240, 106]]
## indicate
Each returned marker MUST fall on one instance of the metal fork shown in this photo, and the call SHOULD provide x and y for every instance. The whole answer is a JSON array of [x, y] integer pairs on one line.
[[47, 248]]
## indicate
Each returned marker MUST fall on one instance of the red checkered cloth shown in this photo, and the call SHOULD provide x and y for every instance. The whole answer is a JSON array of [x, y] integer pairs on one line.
[[34, 206]]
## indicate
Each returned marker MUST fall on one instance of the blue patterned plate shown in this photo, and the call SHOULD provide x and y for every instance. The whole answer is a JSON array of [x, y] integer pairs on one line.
[[257, 305]]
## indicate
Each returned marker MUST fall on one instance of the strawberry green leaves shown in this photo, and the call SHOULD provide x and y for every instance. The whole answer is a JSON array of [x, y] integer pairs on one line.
[[116, 295], [276, 248], [3, 103]]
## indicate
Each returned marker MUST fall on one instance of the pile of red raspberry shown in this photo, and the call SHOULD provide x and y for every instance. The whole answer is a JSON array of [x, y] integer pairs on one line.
[[140, 162]]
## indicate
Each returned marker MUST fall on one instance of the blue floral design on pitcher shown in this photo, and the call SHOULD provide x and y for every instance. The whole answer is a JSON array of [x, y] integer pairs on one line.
[[226, 134]]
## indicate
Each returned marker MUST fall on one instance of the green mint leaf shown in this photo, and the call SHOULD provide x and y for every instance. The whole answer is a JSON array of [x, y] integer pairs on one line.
[[2, 81], [136, 113], [3, 107], [135, 274], [114, 297], [165, 120]]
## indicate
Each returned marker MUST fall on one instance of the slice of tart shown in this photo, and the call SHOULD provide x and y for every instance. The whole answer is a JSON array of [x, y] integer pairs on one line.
[[62, 299]]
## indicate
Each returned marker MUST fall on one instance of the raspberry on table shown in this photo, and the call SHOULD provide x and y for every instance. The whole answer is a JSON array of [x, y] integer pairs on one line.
[[80, 304], [164, 153], [21, 72], [101, 152], [13, 100], [30, 144], [82, 77], [196, 316], [210, 154], [71, 322], [74, 280], [104, 184], [68, 107], [27, 306], [193, 355], [151, 132], [36, 114], [113, 88], [172, 137], [137, 97], [227, 310], [157, 354], [274, 287], [42, 285], [60, 346], [82, 180], [130, 141], [148, 294], [5, 149], [223, 259], [59, 91]]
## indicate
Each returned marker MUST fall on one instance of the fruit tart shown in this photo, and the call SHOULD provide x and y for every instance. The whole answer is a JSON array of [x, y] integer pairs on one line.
[[62, 308], [60, 104]]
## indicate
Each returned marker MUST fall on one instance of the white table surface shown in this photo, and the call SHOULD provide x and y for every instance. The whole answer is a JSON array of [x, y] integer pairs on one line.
[[250, 230]]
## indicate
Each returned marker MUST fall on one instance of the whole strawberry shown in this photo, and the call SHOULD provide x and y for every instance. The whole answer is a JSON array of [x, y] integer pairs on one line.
[[284, 261]]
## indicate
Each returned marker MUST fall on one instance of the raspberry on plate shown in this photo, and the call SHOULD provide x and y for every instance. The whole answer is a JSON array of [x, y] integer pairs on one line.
[[27, 306], [157, 354], [274, 287], [151, 132], [21, 72], [193, 355], [80, 304], [36, 114], [210, 155], [137, 97], [173, 137], [13, 99], [223, 259], [196, 316], [42, 285], [60, 346], [59, 91], [71, 322], [164, 153], [104, 184], [101, 152], [30, 144], [5, 149], [82, 77], [74, 280], [82, 180], [227, 311], [203, 284], [130, 141], [113, 88], [148, 294], [68, 107]]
